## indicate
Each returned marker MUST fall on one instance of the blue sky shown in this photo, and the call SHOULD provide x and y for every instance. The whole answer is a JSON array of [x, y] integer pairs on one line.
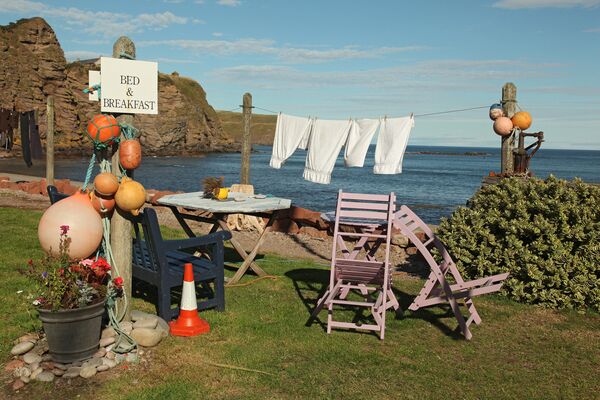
[[340, 59]]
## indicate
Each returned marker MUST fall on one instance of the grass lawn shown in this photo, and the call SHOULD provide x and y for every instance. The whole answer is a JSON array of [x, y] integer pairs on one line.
[[519, 351]]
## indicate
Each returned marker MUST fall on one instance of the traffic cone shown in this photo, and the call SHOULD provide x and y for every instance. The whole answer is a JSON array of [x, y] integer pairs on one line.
[[188, 323]]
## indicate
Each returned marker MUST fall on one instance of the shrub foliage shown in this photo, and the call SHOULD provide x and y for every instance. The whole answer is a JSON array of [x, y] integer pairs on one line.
[[546, 233]]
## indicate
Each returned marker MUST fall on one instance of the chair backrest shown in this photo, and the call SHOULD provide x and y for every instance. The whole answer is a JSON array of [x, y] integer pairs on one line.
[[370, 212], [54, 195], [409, 223], [147, 249]]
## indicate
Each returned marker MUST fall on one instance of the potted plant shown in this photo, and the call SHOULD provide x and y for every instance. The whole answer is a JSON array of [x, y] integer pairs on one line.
[[213, 188], [71, 300]]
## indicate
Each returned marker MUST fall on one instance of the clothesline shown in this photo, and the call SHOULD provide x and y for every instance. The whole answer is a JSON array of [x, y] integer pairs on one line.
[[416, 115]]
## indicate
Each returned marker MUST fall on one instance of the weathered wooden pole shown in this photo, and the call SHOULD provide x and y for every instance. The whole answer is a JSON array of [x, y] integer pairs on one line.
[[509, 105], [120, 226], [246, 140], [50, 140]]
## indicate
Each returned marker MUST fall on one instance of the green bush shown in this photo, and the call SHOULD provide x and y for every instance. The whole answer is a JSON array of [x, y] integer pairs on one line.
[[545, 233]]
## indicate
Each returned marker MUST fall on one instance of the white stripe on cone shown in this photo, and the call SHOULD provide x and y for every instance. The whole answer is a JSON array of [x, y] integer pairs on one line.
[[188, 297]]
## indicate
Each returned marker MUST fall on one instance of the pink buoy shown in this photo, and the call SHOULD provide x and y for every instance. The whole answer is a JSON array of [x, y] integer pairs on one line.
[[76, 217], [503, 126]]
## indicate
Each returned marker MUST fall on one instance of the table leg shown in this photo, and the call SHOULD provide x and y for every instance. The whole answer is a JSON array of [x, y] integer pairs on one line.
[[249, 259]]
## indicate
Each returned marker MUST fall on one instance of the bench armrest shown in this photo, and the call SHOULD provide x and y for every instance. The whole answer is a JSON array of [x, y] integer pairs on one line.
[[179, 244]]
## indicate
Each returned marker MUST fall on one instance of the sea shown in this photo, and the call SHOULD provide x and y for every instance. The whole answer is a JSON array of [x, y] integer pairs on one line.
[[434, 180]]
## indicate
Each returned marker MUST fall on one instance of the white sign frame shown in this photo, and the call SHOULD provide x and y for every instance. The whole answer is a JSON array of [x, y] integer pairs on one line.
[[128, 86]]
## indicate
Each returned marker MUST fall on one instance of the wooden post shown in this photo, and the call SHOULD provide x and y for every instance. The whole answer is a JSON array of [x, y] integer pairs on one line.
[[509, 105], [246, 142], [50, 140], [120, 226]]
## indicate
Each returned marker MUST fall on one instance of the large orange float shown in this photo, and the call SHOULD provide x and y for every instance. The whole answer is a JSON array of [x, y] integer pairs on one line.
[[103, 128], [521, 120]]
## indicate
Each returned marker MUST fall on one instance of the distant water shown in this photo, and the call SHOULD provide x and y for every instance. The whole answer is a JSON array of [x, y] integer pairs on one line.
[[432, 184]]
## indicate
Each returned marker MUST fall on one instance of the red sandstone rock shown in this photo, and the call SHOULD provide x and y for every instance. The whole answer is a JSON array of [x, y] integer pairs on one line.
[[411, 251], [4, 178], [14, 364], [18, 384], [285, 226]]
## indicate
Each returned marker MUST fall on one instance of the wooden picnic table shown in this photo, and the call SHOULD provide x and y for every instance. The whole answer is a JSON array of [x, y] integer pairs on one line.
[[216, 213]]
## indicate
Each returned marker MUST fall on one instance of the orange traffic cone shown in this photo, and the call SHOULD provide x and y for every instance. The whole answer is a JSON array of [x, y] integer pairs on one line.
[[188, 323]]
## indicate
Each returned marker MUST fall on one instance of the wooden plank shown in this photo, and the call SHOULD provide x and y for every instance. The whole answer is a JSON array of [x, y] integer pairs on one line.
[[246, 140], [367, 197], [50, 140], [365, 206], [371, 215]]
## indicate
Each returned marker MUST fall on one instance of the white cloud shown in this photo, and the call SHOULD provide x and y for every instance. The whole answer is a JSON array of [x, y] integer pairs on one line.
[[199, 1], [108, 24], [292, 55], [217, 34], [519, 4], [229, 3], [198, 21], [173, 1], [592, 30]]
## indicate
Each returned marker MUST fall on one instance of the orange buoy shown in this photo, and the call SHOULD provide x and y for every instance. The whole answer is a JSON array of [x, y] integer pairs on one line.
[[104, 205], [103, 128], [130, 154], [131, 195], [503, 126], [75, 218], [521, 120], [106, 184]]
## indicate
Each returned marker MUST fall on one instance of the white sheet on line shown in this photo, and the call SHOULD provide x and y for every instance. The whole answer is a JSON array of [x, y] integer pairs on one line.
[[359, 139], [391, 144], [291, 133], [326, 141]]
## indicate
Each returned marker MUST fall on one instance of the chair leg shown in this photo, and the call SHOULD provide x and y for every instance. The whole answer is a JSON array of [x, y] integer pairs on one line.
[[473, 311], [220, 292], [164, 303]]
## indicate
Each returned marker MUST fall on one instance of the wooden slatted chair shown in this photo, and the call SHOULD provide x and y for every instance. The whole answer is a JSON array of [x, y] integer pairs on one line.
[[438, 289], [357, 269]]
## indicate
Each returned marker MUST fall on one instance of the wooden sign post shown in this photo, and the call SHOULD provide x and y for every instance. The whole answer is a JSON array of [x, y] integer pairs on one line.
[[509, 105], [50, 140], [246, 140], [120, 226]]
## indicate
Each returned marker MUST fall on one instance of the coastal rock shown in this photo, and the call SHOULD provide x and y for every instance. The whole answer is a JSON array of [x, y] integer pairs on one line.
[[21, 372], [72, 372], [400, 240], [146, 337], [21, 348], [32, 358], [45, 376], [30, 337], [102, 368], [87, 372], [32, 58], [126, 326], [93, 362], [36, 372], [137, 315], [149, 323], [58, 372]]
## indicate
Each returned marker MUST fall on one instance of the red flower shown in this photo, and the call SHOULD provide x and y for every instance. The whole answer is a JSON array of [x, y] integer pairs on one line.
[[64, 229], [118, 281], [61, 271]]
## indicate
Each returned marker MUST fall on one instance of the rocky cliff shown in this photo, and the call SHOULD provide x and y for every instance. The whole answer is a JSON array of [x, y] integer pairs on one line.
[[33, 66]]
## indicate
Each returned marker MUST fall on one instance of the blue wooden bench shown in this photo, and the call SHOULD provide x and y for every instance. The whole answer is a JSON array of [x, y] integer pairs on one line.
[[159, 262]]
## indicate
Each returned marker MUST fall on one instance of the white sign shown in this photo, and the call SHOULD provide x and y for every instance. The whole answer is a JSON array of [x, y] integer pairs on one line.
[[129, 86], [93, 79]]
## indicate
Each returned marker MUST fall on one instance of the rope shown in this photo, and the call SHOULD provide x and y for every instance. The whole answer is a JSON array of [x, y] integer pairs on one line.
[[93, 89], [272, 277], [264, 109], [129, 132], [88, 174]]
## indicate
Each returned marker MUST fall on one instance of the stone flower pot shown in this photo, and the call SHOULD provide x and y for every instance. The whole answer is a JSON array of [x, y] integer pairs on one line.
[[73, 335]]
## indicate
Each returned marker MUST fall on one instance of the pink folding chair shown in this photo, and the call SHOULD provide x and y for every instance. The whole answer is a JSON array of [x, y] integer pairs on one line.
[[437, 289], [369, 217]]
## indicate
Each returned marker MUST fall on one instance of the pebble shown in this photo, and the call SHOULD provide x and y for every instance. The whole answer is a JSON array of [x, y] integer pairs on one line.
[[47, 357], [45, 376], [58, 372], [21, 348], [146, 337], [149, 323], [87, 372], [34, 366], [31, 337], [60, 366], [110, 356], [137, 315], [94, 362], [18, 384], [36, 372], [102, 368], [126, 326], [48, 365], [109, 363], [163, 326], [108, 332], [100, 353], [21, 372], [25, 379], [13, 364], [106, 341], [132, 358]]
